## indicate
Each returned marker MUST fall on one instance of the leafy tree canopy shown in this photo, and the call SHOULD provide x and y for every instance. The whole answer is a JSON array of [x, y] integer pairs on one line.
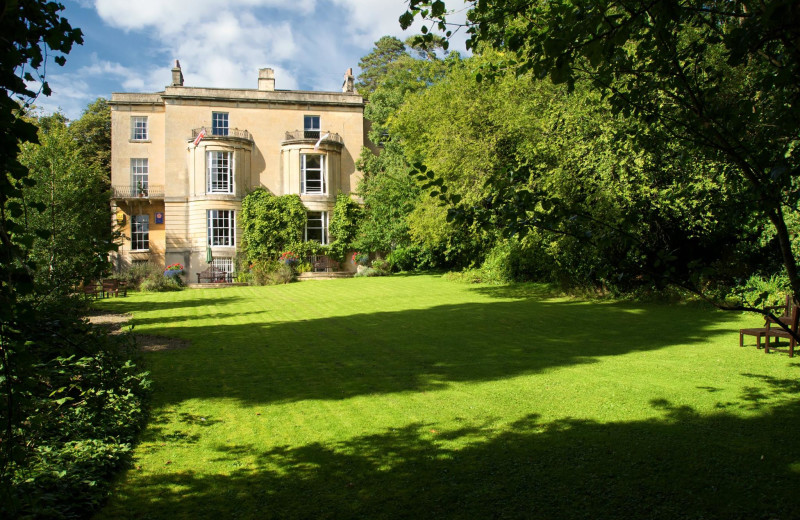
[[719, 77]]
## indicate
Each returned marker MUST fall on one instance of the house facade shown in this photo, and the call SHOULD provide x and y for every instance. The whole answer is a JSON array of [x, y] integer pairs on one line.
[[183, 159]]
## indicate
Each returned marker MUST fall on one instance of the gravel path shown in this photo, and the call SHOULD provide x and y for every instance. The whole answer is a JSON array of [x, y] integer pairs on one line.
[[116, 324]]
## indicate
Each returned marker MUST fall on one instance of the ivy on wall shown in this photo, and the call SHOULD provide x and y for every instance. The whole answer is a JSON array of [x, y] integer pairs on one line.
[[343, 226], [271, 224]]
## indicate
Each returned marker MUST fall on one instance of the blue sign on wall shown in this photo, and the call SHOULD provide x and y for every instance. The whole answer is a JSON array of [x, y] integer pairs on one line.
[[159, 217]]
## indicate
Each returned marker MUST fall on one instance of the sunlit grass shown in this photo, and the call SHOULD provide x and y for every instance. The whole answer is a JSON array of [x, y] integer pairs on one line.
[[417, 397]]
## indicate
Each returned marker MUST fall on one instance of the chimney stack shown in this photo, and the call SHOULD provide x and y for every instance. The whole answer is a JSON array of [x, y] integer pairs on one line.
[[266, 79], [349, 81], [177, 75]]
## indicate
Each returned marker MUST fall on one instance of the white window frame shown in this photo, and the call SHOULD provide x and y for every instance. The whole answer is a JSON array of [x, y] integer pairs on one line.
[[323, 228], [140, 232], [217, 126], [223, 264], [140, 173], [216, 173], [304, 171], [223, 220], [140, 130], [311, 126]]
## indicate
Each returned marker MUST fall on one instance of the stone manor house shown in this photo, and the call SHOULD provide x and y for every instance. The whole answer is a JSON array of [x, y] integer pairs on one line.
[[183, 159]]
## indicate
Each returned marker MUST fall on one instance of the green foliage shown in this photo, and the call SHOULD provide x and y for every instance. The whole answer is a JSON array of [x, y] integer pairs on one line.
[[343, 226], [93, 135], [135, 273], [270, 224], [80, 404], [382, 266], [66, 211], [158, 282], [368, 272], [717, 81], [375, 65], [271, 272]]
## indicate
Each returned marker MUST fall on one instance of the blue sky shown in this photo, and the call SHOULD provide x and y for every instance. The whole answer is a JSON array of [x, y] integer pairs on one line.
[[131, 45]]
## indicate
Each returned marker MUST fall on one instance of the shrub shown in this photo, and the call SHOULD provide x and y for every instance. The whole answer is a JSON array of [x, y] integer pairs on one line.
[[136, 273], [76, 421], [271, 272], [760, 290], [158, 282], [382, 266], [369, 271]]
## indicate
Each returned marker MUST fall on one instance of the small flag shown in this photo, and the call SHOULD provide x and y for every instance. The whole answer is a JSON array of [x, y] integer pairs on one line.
[[322, 138], [200, 136]]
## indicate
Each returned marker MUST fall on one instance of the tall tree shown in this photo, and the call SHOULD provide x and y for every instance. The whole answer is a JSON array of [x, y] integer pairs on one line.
[[719, 76], [92, 131], [375, 65], [30, 29], [69, 200]]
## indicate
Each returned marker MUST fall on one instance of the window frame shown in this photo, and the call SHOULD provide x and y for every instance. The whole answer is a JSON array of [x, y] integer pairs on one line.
[[214, 173], [324, 222], [213, 216], [224, 264], [140, 173], [140, 132], [220, 130], [323, 174], [314, 129], [140, 232]]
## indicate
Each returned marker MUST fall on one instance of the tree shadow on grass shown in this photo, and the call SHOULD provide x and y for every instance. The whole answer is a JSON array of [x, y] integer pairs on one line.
[[340, 357], [125, 305], [681, 465]]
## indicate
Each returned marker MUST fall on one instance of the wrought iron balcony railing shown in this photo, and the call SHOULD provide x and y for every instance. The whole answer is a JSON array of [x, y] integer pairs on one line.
[[234, 133], [306, 135], [152, 191]]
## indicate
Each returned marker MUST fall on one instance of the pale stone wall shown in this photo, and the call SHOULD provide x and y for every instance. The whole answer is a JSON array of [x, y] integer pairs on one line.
[[263, 161]]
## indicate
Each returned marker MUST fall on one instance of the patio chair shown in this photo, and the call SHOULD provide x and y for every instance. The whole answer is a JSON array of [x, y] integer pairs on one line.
[[777, 332], [760, 332]]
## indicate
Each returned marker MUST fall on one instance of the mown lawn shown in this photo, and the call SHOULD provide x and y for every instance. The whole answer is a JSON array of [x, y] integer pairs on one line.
[[414, 397]]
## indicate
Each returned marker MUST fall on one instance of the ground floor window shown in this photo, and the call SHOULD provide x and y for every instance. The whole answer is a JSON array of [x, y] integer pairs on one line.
[[140, 232], [317, 227], [221, 227], [223, 264]]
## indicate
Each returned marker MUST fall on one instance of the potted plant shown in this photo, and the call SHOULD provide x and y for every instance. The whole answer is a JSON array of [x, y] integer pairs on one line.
[[360, 258], [289, 258], [141, 190], [173, 270]]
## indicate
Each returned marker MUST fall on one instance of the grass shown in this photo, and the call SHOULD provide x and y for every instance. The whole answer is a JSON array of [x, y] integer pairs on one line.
[[414, 397]]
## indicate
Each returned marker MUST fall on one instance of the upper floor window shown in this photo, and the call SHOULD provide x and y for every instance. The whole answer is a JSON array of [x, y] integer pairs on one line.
[[220, 172], [317, 226], [311, 127], [221, 227], [312, 173], [219, 123], [140, 232], [139, 128], [140, 176]]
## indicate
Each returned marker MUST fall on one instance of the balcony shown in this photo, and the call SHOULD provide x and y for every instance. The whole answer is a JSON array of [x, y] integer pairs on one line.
[[152, 192], [233, 133], [311, 137]]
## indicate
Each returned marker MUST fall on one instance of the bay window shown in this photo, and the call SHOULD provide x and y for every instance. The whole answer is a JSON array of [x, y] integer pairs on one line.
[[312, 174], [220, 172]]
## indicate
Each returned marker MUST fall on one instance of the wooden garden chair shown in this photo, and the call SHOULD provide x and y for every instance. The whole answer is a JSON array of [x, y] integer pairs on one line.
[[774, 331], [760, 332]]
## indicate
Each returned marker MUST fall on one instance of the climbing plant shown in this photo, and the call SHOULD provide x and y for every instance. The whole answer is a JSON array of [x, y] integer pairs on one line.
[[271, 224]]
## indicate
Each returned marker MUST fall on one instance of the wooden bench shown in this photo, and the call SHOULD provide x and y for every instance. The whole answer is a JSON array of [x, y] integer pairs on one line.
[[92, 289], [214, 275]]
